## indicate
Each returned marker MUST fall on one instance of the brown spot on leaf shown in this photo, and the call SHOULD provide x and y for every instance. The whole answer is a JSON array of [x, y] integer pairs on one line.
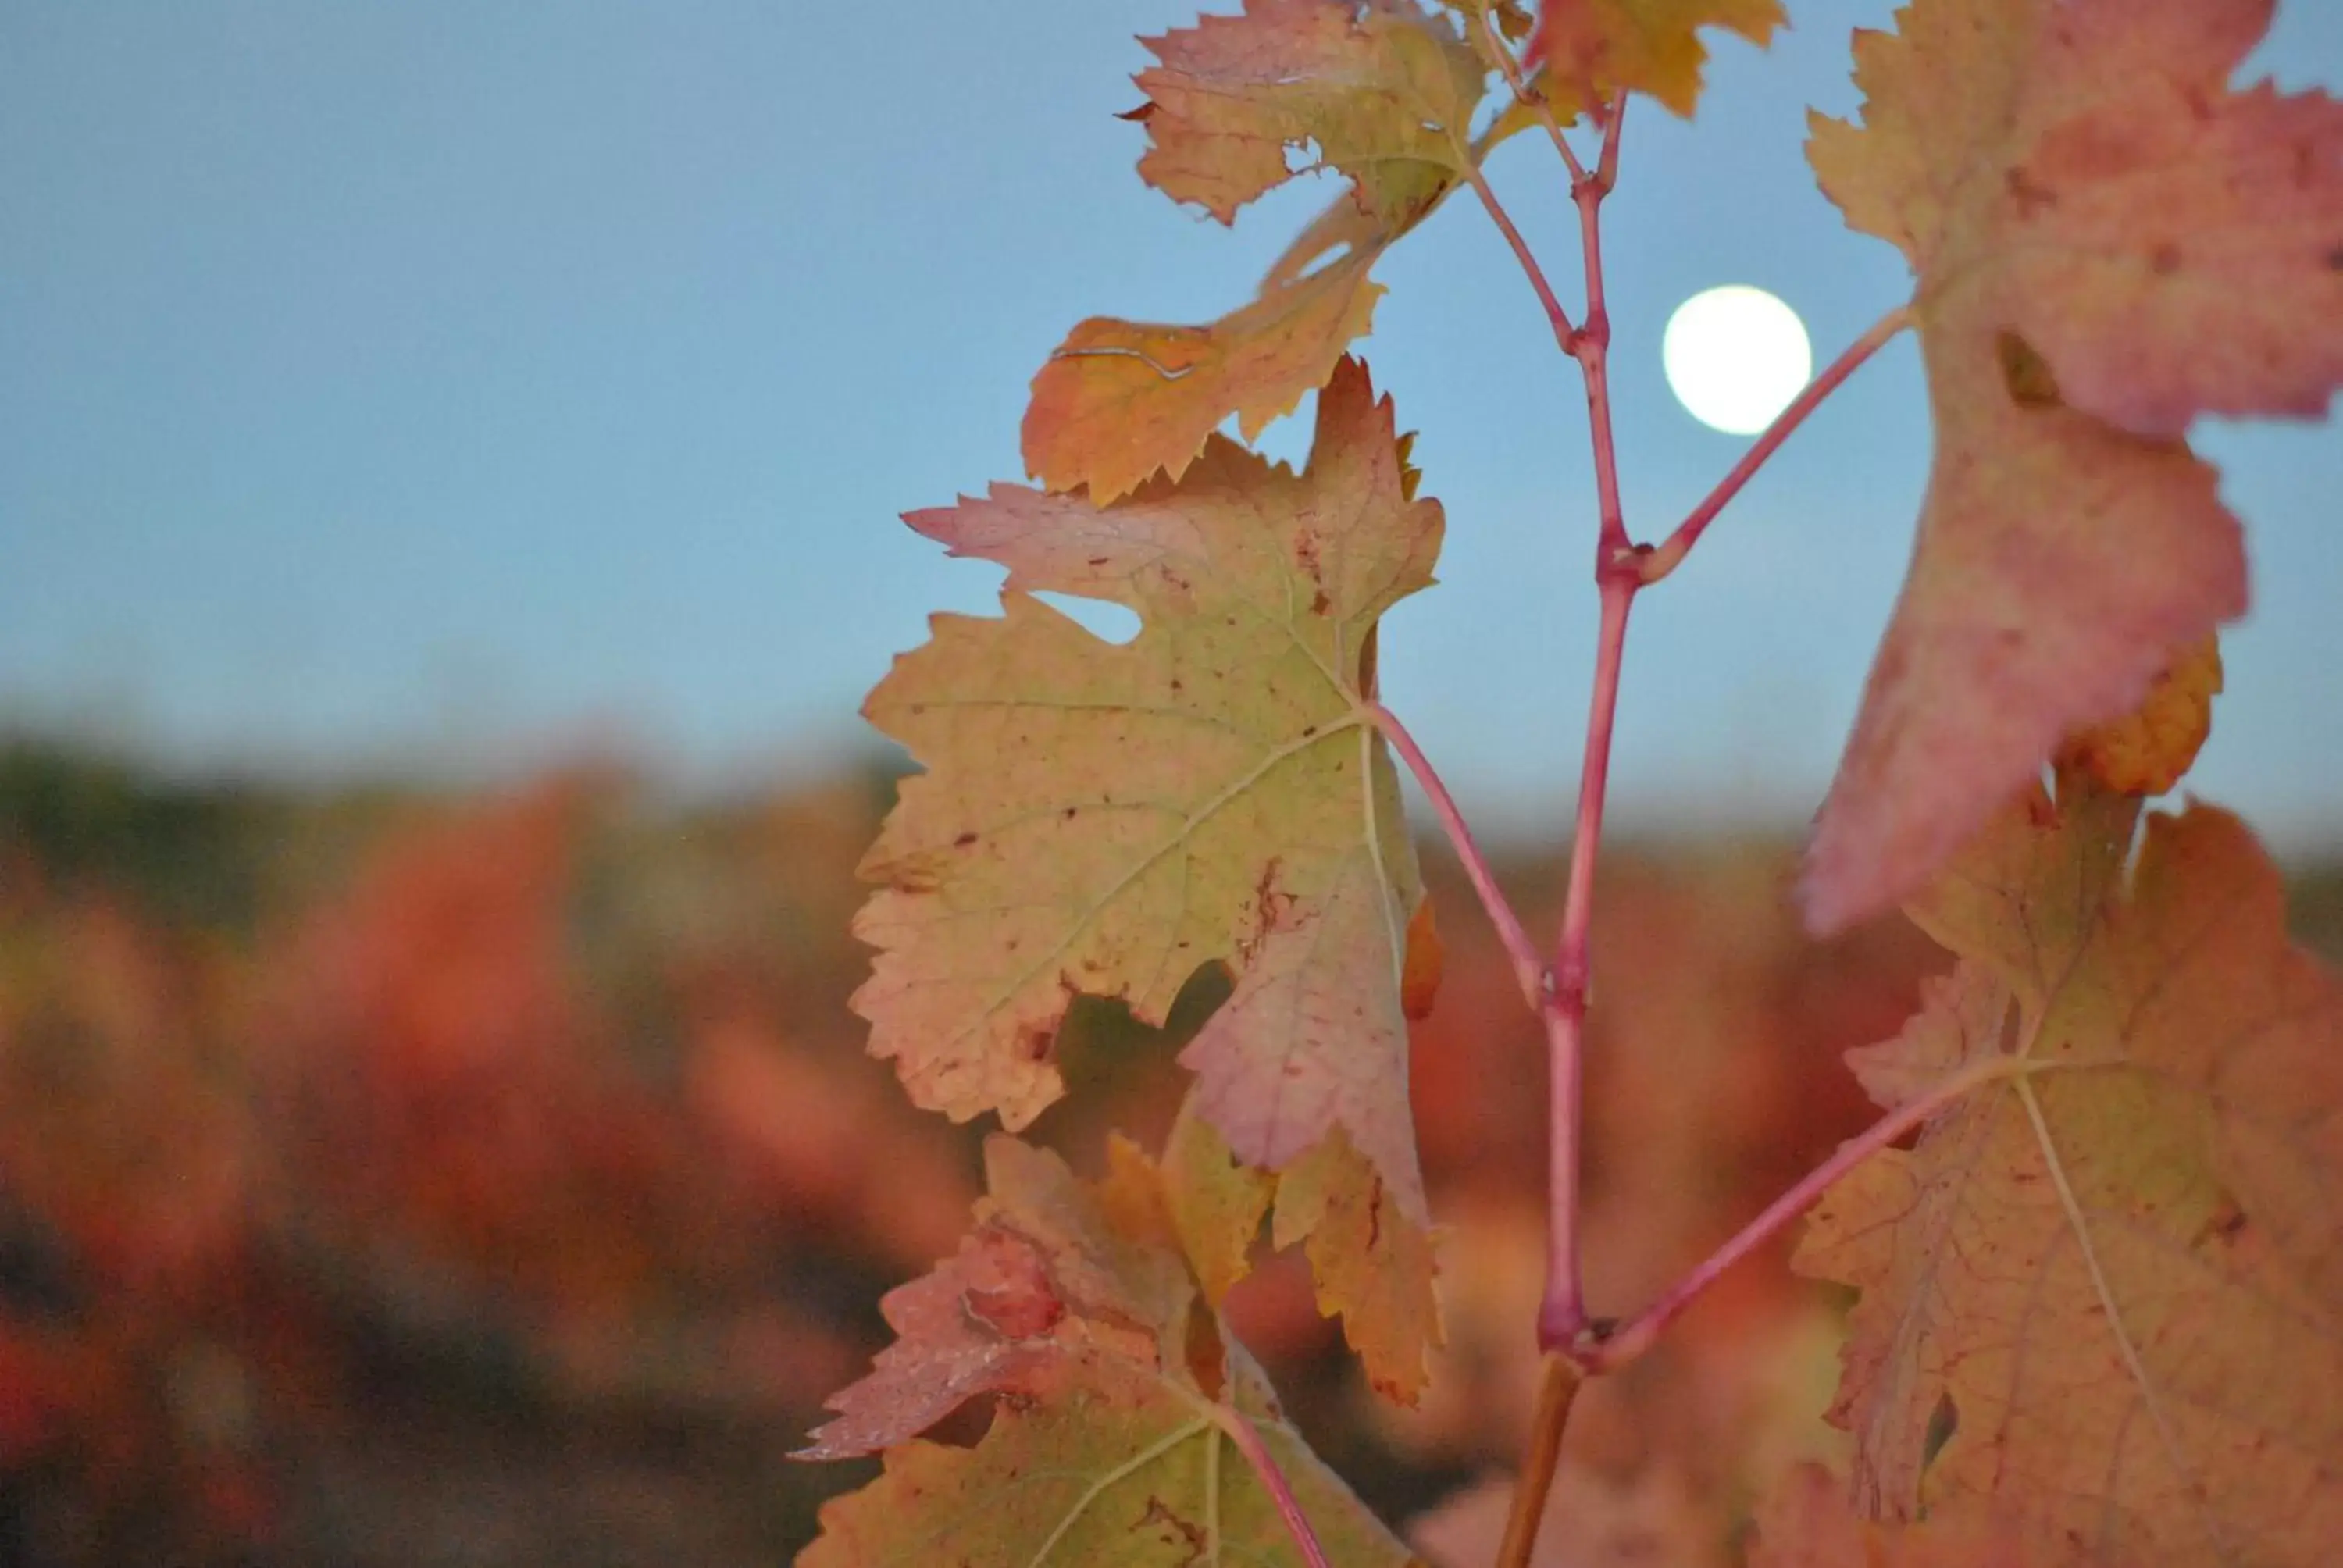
[[2223, 1225], [964, 841], [1321, 604], [2026, 373], [2032, 200], [1272, 907], [1171, 1529], [1305, 553], [2164, 260]]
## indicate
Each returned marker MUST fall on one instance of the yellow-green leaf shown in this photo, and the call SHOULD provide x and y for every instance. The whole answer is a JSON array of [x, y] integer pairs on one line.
[[1104, 820]]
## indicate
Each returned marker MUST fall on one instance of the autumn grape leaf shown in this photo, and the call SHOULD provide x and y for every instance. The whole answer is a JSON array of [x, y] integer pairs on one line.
[[1121, 400], [1104, 820], [1371, 1260], [1379, 92], [2146, 752], [1600, 47], [2113, 1276], [1805, 1521], [2107, 241], [2080, 173], [1111, 1444], [1384, 95]]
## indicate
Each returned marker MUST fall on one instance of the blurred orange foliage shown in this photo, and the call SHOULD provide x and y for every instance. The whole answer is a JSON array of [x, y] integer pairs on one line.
[[502, 1180]]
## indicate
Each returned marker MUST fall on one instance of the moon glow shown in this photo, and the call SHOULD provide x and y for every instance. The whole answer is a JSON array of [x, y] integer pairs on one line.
[[1734, 357]]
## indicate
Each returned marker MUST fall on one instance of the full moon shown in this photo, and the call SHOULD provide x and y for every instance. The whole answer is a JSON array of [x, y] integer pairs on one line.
[[1735, 356]]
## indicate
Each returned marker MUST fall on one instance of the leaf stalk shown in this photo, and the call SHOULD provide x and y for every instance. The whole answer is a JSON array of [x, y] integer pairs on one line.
[[1529, 973], [1272, 1479], [1640, 1332], [1670, 552]]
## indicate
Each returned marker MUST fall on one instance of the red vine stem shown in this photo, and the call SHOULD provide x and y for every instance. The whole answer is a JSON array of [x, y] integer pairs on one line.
[[1672, 550], [1495, 48], [1561, 1312], [1639, 1333], [1591, 344], [1528, 973], [1558, 319], [1272, 1479]]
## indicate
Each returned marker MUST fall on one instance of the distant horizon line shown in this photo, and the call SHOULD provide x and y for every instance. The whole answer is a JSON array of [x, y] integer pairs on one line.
[[1509, 818]]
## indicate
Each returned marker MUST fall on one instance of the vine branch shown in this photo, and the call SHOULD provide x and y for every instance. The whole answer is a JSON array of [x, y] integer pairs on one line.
[[1556, 1390], [1576, 1346], [1528, 973], [1496, 49], [1561, 1312], [1639, 1333], [1670, 553], [1556, 317], [1591, 344]]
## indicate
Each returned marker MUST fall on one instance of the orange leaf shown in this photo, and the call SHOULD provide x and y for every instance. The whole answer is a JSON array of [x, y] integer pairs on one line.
[[2146, 752], [1384, 95], [1601, 47], [1806, 1521], [1119, 401], [2110, 1283], [1419, 981]]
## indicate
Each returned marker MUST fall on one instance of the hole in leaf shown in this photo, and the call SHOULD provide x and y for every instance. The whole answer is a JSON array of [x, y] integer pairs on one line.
[[2026, 373], [1942, 1423], [1114, 623], [1100, 1043]]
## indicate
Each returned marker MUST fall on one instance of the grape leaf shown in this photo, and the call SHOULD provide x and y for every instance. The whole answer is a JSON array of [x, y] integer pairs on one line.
[[2107, 241], [1104, 820], [1119, 401], [1370, 1261], [1599, 47], [2146, 752], [2079, 173], [1111, 1446], [1385, 94], [2116, 1275], [1805, 1523], [2059, 563]]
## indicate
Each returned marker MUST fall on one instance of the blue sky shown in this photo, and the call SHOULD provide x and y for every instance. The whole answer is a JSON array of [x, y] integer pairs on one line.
[[449, 386]]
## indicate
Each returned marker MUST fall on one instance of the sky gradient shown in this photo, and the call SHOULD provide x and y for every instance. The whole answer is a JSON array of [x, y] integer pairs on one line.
[[451, 387]]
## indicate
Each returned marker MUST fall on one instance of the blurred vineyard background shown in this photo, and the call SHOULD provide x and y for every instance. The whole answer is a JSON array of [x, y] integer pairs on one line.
[[390, 1177]]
